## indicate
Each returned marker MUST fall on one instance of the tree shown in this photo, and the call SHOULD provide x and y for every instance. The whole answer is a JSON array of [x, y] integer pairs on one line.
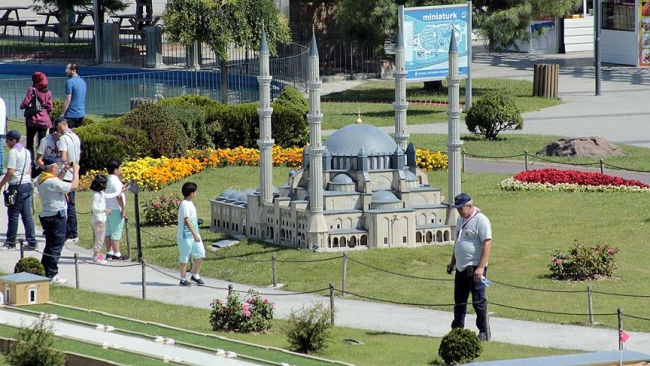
[[503, 22], [66, 11], [222, 23]]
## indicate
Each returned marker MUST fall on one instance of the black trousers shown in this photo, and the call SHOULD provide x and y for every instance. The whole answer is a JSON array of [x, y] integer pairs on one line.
[[464, 284]]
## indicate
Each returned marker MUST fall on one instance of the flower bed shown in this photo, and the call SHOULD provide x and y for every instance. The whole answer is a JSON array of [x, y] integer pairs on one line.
[[154, 174], [570, 181]]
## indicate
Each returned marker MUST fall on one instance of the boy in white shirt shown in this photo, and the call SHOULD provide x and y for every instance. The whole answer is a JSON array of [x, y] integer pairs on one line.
[[189, 240]]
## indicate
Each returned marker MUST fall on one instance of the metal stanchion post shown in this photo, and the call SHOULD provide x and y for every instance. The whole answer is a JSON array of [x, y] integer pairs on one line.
[[22, 249], [274, 270], [76, 271], [620, 327], [344, 284], [332, 303], [229, 289], [526, 159], [128, 242], [144, 278], [591, 305], [602, 166]]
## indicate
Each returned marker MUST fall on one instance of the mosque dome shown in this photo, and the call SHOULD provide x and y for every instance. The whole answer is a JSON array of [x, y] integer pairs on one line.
[[349, 140], [226, 193], [342, 179], [242, 197], [384, 197], [410, 177]]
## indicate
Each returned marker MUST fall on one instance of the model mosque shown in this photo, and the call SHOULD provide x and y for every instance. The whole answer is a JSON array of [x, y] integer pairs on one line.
[[358, 189]]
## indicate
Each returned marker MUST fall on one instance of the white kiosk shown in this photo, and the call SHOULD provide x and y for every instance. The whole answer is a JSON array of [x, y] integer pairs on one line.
[[625, 32]]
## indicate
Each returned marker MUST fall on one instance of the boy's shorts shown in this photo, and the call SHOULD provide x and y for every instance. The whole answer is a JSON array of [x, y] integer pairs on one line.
[[114, 225], [189, 246]]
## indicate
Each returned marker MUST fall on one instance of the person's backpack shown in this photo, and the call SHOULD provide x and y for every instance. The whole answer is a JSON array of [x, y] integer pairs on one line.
[[35, 106]]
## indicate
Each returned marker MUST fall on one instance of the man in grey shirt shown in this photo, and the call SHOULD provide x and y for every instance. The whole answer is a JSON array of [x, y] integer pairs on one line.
[[470, 260], [70, 151], [18, 178], [52, 190]]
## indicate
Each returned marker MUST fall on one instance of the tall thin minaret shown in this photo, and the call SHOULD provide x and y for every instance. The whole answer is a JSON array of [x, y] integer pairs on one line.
[[317, 226], [265, 142], [453, 120], [400, 105]]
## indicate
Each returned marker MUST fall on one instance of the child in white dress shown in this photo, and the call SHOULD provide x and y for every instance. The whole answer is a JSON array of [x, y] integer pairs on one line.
[[100, 211]]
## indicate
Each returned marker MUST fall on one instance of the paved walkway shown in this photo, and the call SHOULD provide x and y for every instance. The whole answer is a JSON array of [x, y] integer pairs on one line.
[[616, 115]]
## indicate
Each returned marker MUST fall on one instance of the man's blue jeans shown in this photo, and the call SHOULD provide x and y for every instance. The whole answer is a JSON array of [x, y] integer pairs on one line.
[[54, 227], [71, 224], [22, 209], [464, 285]]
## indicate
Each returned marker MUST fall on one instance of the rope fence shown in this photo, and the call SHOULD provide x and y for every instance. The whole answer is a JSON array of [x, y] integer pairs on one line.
[[527, 156]]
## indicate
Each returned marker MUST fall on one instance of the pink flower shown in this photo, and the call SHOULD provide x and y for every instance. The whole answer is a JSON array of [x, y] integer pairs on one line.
[[611, 251], [559, 262], [156, 204]]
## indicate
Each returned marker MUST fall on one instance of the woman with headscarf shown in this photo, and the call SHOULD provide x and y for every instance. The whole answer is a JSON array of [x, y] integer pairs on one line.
[[40, 123]]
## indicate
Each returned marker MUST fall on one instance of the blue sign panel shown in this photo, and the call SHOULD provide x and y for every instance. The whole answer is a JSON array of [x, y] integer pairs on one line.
[[427, 32]]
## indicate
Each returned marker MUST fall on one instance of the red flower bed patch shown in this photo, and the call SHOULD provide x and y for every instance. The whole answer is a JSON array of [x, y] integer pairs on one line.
[[554, 176]]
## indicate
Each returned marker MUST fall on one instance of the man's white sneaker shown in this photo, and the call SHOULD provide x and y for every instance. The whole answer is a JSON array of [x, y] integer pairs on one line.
[[56, 280]]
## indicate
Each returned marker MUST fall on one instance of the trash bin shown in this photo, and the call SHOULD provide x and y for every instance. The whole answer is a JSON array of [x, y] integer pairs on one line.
[[545, 80], [111, 42], [153, 42]]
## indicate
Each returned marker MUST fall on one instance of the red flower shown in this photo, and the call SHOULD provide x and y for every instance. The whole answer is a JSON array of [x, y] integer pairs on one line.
[[559, 262], [555, 176]]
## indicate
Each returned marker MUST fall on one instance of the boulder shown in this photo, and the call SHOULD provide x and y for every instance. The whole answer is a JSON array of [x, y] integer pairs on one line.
[[582, 147]]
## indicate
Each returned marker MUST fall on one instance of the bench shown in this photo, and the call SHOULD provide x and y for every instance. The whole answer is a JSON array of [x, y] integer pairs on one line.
[[44, 28], [13, 23], [54, 28]]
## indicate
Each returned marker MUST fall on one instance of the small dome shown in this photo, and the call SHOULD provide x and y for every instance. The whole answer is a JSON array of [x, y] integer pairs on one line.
[[384, 197], [342, 179], [242, 198], [348, 140], [226, 193], [274, 190], [410, 177], [233, 195]]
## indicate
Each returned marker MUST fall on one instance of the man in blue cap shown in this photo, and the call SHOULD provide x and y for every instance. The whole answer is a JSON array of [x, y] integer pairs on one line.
[[52, 189], [470, 260]]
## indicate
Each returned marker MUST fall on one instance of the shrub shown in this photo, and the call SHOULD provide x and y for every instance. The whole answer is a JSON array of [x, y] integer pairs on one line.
[[29, 265], [190, 110], [308, 330], [290, 128], [492, 114], [162, 211], [460, 346], [34, 346], [294, 99], [57, 108], [583, 262], [163, 129], [111, 139], [253, 315], [240, 125]]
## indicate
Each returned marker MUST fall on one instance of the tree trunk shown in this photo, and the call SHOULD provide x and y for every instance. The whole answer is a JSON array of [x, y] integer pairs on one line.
[[433, 86], [223, 65]]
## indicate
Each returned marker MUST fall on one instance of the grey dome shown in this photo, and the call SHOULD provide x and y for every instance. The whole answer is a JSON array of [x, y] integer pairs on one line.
[[242, 198], [348, 140], [384, 197], [410, 177], [233, 195], [226, 193], [342, 179]]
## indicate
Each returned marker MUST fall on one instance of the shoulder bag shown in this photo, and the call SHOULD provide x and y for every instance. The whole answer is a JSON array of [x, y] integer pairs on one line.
[[11, 193], [35, 106]]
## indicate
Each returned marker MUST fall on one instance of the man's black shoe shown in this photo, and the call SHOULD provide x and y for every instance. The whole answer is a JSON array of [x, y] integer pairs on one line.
[[185, 283], [482, 336], [197, 280]]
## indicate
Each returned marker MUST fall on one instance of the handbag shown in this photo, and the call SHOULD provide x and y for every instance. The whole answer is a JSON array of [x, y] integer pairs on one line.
[[35, 106], [10, 194]]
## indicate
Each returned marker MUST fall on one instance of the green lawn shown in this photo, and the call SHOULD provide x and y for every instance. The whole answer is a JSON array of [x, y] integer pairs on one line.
[[380, 348], [374, 99]]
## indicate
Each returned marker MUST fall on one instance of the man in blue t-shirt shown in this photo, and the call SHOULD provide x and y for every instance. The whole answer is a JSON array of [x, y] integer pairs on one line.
[[74, 105]]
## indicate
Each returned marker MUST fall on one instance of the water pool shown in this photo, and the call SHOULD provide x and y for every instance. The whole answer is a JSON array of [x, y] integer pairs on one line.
[[110, 89]]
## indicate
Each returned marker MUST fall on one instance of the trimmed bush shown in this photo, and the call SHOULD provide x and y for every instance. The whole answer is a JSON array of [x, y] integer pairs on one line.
[[30, 265], [111, 139], [57, 108], [162, 211], [252, 315], [294, 99], [192, 110], [34, 346], [584, 262], [460, 346], [240, 125], [290, 128], [492, 114], [163, 129], [308, 329]]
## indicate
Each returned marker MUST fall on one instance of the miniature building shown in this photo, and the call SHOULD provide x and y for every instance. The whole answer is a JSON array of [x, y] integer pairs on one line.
[[25, 288]]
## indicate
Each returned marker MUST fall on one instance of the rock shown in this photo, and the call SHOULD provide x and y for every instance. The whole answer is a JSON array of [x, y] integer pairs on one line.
[[582, 147]]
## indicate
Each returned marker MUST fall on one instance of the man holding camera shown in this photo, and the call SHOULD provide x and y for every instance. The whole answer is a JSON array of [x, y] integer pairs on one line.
[[52, 189], [70, 151]]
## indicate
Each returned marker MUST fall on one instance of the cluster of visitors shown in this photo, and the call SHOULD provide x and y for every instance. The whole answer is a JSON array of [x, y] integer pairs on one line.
[[49, 162]]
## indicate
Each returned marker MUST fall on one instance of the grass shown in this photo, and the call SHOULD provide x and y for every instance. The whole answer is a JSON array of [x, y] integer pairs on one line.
[[380, 348], [527, 226], [363, 99]]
